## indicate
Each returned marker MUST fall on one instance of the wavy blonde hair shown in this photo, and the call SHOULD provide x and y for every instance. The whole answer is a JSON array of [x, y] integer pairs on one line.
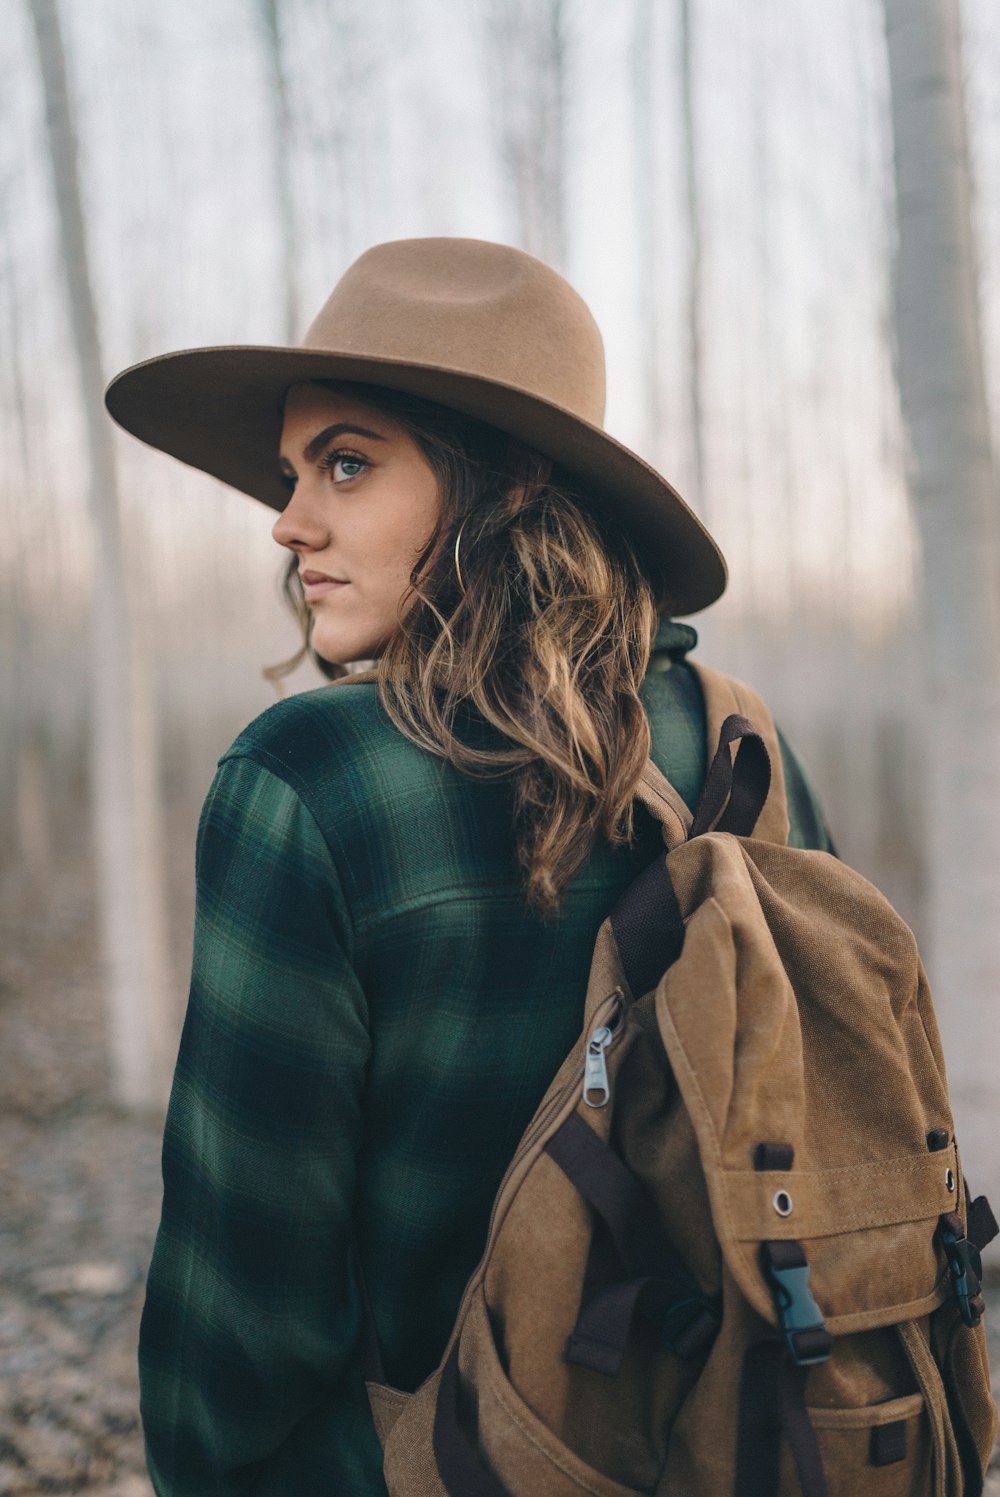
[[529, 607]]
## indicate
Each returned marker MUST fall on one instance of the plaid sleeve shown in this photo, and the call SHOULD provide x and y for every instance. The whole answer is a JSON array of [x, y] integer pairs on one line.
[[806, 822], [251, 1308]]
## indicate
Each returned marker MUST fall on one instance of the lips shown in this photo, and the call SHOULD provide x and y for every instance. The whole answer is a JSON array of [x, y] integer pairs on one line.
[[309, 578], [316, 585]]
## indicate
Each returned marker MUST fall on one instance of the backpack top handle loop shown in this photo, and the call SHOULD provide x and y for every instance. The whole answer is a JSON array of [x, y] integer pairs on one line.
[[735, 790], [725, 695]]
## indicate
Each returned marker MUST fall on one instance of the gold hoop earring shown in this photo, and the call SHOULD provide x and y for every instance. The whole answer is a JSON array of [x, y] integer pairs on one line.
[[458, 569]]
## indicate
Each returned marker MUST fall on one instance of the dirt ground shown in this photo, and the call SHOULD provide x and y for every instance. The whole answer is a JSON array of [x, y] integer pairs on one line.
[[79, 1196], [79, 1199]]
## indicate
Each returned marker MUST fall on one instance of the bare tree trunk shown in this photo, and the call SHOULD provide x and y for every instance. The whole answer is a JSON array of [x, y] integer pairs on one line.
[[954, 487], [123, 765], [694, 295], [647, 238], [32, 790], [527, 57], [281, 161]]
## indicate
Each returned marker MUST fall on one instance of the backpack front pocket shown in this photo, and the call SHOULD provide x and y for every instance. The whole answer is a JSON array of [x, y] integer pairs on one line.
[[884, 1450], [526, 1456]]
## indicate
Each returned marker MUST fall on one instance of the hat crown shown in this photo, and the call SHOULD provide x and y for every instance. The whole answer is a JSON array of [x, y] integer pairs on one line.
[[479, 309], [481, 328]]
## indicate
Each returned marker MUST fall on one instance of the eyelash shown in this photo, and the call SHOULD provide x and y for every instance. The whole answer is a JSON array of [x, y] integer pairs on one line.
[[343, 454]]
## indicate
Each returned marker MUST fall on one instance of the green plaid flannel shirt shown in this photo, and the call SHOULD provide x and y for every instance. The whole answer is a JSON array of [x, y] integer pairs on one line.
[[373, 1017]]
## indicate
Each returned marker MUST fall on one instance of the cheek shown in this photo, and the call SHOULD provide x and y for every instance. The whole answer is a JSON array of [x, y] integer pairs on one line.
[[384, 540], [415, 522]]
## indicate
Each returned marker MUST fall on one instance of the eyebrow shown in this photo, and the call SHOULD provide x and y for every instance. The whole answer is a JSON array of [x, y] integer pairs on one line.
[[326, 436]]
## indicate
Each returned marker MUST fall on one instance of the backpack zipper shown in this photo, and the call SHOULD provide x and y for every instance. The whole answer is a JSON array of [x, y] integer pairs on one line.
[[596, 1085], [561, 1104]]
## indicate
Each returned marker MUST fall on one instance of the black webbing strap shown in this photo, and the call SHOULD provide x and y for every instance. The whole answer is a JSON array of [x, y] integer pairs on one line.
[[648, 927], [744, 783], [981, 1225], [597, 1340], [610, 1187], [772, 1403], [964, 1438], [773, 1156], [685, 1322], [659, 1281], [759, 1422], [647, 920], [459, 1464], [798, 1431]]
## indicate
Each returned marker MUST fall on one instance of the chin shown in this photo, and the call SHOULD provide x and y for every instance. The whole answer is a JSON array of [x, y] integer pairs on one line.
[[342, 647]]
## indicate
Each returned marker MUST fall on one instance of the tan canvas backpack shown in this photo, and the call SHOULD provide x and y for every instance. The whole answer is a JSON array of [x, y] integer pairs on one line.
[[733, 1253]]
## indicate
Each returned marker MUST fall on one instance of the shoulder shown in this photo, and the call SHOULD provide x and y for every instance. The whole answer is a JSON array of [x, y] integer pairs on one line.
[[334, 740], [295, 732], [298, 784], [400, 823], [365, 783], [316, 748]]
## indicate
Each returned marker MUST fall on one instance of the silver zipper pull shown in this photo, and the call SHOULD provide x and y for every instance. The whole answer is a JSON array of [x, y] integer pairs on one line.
[[596, 1086]]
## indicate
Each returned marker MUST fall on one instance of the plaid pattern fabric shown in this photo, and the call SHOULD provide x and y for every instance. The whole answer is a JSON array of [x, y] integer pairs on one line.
[[372, 1020]]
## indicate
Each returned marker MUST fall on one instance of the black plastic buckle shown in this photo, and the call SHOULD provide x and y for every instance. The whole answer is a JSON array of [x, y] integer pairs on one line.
[[801, 1318], [966, 1267], [689, 1326]]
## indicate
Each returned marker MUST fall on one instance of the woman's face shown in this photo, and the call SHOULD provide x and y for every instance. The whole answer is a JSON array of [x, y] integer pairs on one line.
[[363, 503]]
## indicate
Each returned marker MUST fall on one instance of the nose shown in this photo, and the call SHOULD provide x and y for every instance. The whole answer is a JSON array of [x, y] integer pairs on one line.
[[302, 522]]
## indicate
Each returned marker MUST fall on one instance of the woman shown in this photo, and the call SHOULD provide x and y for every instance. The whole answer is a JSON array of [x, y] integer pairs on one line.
[[401, 876]]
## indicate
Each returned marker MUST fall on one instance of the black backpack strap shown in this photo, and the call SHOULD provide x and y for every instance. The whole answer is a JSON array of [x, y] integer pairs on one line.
[[686, 1320], [647, 920], [725, 696], [735, 791], [772, 1404], [659, 1282], [648, 927], [772, 1390], [981, 1224]]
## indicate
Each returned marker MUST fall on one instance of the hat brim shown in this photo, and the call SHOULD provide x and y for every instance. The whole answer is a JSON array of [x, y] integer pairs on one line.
[[221, 410]]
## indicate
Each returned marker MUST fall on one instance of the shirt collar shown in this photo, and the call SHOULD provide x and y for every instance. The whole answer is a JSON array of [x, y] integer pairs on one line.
[[672, 642]]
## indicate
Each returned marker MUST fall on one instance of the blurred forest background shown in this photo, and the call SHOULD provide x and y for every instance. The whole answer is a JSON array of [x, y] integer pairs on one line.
[[786, 219]]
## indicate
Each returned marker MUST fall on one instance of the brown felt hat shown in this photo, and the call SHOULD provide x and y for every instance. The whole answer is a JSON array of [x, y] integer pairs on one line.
[[483, 328]]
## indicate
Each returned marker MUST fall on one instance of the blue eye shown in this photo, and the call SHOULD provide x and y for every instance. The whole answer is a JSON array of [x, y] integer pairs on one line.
[[350, 463]]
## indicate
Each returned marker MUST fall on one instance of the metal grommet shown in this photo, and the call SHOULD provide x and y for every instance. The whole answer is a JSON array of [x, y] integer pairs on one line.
[[782, 1202], [949, 1179]]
